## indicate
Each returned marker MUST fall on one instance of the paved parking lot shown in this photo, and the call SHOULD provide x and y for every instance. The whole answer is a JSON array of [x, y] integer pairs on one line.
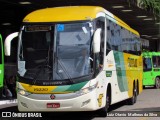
[[148, 102]]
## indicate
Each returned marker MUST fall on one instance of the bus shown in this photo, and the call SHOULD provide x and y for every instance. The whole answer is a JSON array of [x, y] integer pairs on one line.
[[76, 58], [151, 68], [1, 66]]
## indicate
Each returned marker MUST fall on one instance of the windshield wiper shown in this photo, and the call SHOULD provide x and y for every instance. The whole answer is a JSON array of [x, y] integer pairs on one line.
[[43, 67]]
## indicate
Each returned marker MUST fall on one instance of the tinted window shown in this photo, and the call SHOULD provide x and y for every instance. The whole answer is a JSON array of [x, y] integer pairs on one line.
[[120, 39], [147, 65], [156, 61]]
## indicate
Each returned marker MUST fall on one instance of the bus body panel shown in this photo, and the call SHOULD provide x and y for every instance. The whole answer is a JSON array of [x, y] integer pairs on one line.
[[69, 99], [85, 102], [133, 66], [122, 73], [113, 79]]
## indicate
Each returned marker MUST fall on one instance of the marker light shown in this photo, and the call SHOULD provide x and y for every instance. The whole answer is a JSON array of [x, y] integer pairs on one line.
[[127, 10], [117, 7], [23, 92]]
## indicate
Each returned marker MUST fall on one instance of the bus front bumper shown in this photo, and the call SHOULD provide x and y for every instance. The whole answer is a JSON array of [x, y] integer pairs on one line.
[[86, 102]]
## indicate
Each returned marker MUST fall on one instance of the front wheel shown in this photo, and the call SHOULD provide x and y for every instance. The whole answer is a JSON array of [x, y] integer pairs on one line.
[[103, 112], [157, 82]]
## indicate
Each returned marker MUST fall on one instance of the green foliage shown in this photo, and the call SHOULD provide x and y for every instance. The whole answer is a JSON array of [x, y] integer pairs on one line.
[[151, 5]]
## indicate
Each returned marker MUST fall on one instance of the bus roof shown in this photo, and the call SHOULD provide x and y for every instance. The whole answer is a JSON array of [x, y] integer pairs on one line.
[[62, 14], [150, 54]]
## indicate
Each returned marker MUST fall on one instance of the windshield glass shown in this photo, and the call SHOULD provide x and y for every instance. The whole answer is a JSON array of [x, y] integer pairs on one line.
[[35, 51], [56, 52], [72, 48]]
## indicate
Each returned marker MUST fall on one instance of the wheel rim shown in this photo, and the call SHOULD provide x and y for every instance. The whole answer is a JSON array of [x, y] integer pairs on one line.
[[134, 95], [107, 102]]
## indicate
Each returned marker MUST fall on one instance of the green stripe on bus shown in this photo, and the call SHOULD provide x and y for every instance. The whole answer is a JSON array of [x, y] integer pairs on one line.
[[73, 88], [121, 72]]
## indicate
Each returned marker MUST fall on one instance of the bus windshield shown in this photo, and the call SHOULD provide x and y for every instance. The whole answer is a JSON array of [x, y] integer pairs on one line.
[[57, 52]]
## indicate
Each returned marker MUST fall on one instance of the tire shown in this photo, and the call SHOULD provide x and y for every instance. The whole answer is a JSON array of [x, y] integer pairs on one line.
[[103, 111], [137, 88], [144, 87], [133, 99], [1, 92], [157, 83]]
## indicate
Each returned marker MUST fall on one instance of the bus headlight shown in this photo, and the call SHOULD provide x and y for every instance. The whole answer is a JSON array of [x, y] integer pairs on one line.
[[23, 92], [87, 89]]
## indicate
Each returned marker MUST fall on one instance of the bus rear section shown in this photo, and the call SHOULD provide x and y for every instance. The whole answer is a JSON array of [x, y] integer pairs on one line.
[[151, 69]]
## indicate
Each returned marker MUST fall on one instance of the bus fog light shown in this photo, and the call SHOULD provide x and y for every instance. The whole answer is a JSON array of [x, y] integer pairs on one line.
[[85, 102]]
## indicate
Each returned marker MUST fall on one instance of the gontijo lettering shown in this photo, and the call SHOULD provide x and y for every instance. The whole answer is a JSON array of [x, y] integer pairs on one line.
[[132, 62]]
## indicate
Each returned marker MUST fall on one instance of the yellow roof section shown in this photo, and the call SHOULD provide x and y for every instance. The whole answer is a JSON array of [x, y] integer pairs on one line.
[[63, 14], [71, 13]]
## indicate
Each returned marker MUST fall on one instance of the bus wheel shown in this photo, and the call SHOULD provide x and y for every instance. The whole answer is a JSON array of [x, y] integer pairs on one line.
[[157, 83], [144, 86], [133, 99], [1, 91], [104, 110]]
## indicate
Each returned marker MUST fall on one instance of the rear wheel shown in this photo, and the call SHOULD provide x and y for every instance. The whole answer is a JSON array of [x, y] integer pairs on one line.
[[137, 88], [157, 82], [133, 99]]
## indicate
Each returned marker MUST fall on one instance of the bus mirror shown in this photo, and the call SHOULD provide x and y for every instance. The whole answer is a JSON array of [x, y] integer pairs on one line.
[[7, 43], [97, 41]]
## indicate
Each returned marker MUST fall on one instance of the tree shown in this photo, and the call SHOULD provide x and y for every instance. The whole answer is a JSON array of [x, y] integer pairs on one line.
[[151, 5]]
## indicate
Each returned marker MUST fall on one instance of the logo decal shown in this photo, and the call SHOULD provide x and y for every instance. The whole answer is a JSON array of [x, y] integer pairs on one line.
[[52, 96], [100, 100]]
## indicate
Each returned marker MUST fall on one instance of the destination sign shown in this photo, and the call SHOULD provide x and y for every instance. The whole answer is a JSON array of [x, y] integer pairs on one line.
[[37, 28]]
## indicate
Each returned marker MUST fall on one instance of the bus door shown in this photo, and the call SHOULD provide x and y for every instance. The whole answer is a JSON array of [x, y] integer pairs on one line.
[[147, 70]]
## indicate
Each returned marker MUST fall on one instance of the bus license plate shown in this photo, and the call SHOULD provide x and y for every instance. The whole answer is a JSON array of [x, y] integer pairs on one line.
[[53, 105]]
